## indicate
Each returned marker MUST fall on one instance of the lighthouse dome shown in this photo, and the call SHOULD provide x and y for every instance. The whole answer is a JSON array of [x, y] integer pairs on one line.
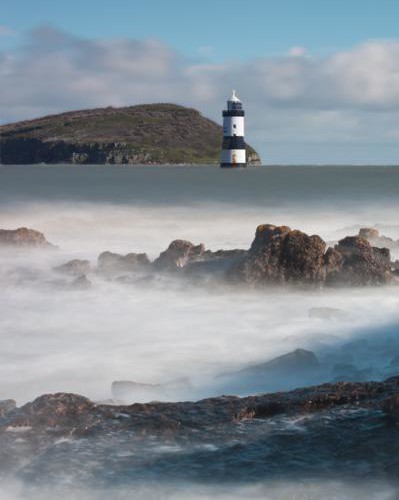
[[234, 97]]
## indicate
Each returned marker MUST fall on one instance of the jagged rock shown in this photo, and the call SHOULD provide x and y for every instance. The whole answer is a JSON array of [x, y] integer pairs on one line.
[[178, 254], [280, 255], [361, 264], [327, 313], [23, 237], [7, 406], [51, 410], [113, 263], [74, 267], [390, 405]]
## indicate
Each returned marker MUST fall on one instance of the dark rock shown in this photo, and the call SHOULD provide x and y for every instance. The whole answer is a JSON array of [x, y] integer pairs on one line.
[[377, 240], [23, 237], [114, 263], [280, 255], [390, 405], [361, 264], [74, 267], [52, 410], [178, 255], [7, 406]]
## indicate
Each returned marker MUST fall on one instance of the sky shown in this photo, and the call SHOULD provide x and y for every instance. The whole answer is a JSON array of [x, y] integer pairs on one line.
[[319, 79]]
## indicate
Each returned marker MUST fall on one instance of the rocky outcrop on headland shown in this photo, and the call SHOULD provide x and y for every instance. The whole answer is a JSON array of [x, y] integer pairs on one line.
[[23, 237]]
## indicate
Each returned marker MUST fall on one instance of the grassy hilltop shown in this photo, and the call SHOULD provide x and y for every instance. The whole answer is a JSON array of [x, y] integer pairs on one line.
[[145, 134]]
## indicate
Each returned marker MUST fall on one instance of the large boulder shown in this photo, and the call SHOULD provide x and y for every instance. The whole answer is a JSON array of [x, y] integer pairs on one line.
[[23, 237], [178, 254], [53, 410], [281, 255], [357, 263], [115, 263], [376, 239]]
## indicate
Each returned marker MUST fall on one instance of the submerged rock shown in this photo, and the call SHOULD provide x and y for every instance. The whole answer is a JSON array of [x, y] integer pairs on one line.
[[114, 263], [296, 361], [74, 267], [23, 237]]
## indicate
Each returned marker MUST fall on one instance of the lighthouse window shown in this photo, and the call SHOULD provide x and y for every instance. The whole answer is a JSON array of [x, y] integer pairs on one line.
[[234, 126]]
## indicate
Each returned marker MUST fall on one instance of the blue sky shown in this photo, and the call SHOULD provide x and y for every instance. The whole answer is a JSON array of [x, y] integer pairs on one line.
[[230, 29], [319, 79]]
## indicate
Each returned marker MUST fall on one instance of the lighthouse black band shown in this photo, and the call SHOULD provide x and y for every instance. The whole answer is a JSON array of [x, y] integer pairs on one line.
[[233, 143], [235, 112]]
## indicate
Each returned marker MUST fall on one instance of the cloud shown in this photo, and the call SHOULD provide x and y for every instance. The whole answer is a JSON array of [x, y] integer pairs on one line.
[[351, 95], [7, 31]]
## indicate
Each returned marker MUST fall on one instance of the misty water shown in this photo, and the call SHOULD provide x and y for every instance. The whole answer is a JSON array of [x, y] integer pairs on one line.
[[55, 339]]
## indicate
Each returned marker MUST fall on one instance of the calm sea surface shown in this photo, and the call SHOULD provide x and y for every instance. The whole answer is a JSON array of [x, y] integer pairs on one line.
[[180, 185]]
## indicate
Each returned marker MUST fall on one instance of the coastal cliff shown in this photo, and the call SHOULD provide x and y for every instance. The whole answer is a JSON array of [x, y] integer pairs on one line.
[[149, 134]]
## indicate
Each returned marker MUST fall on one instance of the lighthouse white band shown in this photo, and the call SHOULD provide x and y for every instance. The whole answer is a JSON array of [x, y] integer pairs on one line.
[[233, 125], [233, 156]]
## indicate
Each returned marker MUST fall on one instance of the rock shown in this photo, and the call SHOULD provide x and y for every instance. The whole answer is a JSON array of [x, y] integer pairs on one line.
[[81, 283], [377, 240], [369, 233], [23, 237], [74, 267], [360, 264], [279, 255], [6, 407], [114, 263], [129, 391], [178, 254], [296, 361], [344, 372], [390, 405], [329, 313], [51, 410]]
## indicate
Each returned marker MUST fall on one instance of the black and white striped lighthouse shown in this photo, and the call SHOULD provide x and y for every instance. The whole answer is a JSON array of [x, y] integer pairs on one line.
[[233, 146]]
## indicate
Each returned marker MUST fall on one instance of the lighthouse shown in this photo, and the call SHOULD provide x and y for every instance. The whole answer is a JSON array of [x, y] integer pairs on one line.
[[233, 146]]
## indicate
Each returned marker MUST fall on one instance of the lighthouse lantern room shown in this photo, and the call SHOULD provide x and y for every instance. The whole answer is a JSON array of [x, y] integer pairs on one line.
[[233, 146]]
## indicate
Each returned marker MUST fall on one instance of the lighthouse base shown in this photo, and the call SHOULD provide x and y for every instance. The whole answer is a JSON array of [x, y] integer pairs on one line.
[[233, 165]]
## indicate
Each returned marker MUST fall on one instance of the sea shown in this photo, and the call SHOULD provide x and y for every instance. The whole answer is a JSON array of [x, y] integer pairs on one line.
[[54, 338]]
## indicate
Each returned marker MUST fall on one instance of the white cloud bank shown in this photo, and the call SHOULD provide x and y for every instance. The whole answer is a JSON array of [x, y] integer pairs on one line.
[[349, 97]]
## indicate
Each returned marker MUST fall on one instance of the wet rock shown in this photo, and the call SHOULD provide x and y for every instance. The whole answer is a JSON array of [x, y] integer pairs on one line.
[[113, 263], [7, 406], [23, 237], [279, 255], [390, 405], [52, 410], [360, 265], [178, 255], [329, 313], [74, 267]]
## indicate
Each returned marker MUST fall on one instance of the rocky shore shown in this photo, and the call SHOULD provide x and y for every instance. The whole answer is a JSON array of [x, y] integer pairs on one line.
[[277, 256], [348, 428]]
